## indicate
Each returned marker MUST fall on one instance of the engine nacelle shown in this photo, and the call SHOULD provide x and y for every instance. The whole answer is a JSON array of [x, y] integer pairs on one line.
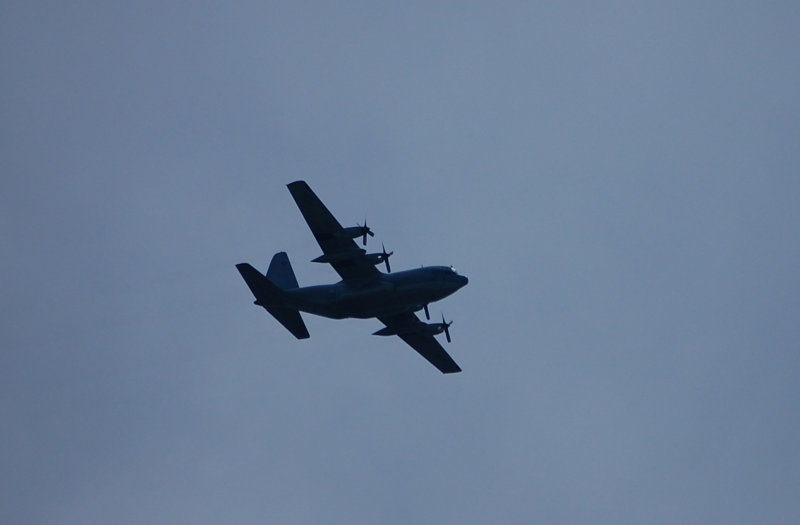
[[415, 328], [375, 258], [353, 232]]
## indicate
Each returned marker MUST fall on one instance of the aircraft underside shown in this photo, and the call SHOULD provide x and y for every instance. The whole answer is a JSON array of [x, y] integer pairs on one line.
[[358, 304]]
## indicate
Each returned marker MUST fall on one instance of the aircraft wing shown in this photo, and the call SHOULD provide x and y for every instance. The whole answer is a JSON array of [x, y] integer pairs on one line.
[[425, 344], [342, 252]]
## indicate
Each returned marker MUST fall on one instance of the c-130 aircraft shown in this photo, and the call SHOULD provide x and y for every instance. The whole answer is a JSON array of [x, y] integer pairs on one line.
[[364, 291]]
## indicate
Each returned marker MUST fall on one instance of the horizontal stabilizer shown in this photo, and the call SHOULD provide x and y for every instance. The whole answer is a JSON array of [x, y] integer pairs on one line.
[[291, 320], [263, 289], [269, 296]]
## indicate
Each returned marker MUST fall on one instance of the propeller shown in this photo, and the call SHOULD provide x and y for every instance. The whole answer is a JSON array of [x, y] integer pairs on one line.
[[427, 313], [365, 231], [385, 256], [446, 325]]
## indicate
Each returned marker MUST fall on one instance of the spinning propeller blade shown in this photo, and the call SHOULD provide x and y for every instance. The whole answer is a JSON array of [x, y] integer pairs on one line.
[[365, 231], [385, 257], [446, 326]]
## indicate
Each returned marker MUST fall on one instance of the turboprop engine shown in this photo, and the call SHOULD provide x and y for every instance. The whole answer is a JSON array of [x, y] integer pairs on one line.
[[353, 232], [418, 328], [377, 258]]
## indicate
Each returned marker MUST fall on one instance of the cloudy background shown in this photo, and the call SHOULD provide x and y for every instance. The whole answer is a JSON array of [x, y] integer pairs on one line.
[[618, 180]]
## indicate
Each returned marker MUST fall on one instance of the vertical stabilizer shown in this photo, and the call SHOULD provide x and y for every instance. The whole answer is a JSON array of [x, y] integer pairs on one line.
[[280, 272]]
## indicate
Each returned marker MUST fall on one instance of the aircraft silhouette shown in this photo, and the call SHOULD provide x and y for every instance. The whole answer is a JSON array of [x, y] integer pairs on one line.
[[364, 292]]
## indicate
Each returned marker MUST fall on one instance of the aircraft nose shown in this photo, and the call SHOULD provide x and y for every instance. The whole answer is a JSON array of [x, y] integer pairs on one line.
[[463, 280]]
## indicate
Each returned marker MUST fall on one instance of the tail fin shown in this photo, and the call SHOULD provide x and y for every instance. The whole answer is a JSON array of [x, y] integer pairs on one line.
[[280, 272], [270, 296]]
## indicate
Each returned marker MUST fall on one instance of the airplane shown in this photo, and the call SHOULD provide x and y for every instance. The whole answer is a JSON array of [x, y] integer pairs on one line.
[[364, 291]]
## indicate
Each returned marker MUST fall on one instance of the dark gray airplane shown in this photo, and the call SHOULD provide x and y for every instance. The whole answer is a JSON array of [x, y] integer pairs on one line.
[[364, 291]]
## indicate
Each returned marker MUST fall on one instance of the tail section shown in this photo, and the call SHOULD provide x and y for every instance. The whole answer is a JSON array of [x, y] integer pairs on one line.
[[271, 297], [291, 320], [263, 289], [280, 272]]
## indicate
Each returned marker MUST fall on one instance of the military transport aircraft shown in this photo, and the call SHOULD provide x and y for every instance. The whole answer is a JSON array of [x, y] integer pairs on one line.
[[364, 291]]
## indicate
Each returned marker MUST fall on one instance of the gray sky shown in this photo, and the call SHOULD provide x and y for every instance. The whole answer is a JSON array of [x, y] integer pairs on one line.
[[620, 183]]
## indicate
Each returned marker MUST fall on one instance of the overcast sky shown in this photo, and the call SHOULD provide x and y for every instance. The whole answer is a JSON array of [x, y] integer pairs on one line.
[[619, 181]]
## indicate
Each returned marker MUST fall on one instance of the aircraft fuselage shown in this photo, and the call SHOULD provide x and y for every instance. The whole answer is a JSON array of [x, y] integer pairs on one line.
[[388, 294]]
